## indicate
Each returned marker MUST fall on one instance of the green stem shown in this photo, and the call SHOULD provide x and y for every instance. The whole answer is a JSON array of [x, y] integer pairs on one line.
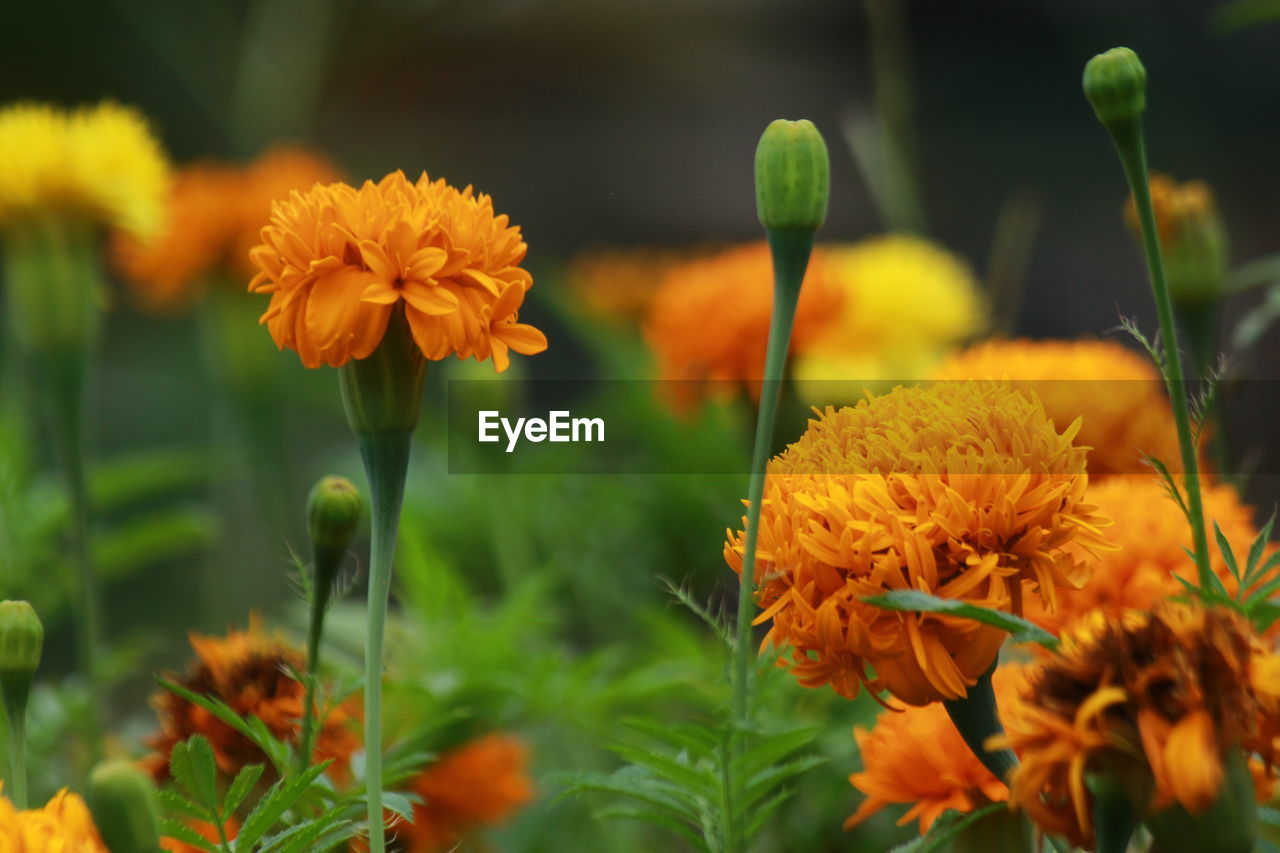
[[386, 462], [16, 689], [790, 251], [1129, 143], [325, 563], [977, 719]]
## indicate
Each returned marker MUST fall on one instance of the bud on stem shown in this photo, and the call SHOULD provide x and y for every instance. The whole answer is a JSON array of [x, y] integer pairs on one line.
[[792, 177], [122, 800], [21, 642]]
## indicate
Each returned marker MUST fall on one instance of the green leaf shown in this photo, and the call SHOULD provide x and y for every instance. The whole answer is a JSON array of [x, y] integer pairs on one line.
[[762, 783], [281, 796], [178, 804], [769, 748], [240, 788], [179, 830], [701, 781], [910, 600], [656, 818], [281, 754], [1228, 556], [1256, 550], [1264, 614], [945, 831], [192, 764], [400, 804]]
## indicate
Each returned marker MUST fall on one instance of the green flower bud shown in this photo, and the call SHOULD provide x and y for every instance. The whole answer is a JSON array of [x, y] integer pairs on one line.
[[1229, 825], [122, 800], [21, 638], [333, 513], [792, 177], [1116, 85], [1192, 236]]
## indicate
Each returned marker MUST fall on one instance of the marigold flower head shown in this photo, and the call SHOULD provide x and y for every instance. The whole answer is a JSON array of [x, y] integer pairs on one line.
[[1151, 536], [1168, 689], [250, 671], [338, 260], [908, 301], [97, 163], [709, 320], [273, 176], [1117, 393], [962, 489], [480, 783], [917, 757], [64, 825]]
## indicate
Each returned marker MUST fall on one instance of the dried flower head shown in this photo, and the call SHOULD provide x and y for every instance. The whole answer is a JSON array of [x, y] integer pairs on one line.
[[1118, 395], [1167, 691], [251, 671], [337, 260], [962, 489], [917, 757]]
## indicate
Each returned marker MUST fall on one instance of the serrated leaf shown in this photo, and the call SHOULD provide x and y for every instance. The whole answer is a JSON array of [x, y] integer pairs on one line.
[[767, 780], [175, 802], [654, 818], [278, 799], [699, 780], [179, 830], [240, 788], [192, 764], [1257, 548], [280, 754], [634, 783], [1228, 555], [771, 747], [911, 600]]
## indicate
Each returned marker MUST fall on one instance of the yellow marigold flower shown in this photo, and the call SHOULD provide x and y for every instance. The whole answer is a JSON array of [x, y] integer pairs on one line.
[[908, 301], [709, 320], [98, 163], [1167, 688], [620, 283], [917, 757], [1151, 536], [1117, 393], [337, 261], [480, 783], [64, 825], [962, 489], [250, 671]]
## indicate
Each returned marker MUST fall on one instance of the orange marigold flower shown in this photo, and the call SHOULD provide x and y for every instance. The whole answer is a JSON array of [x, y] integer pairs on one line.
[[273, 176], [250, 671], [207, 831], [1167, 689], [620, 284], [338, 260], [709, 320], [64, 825], [1150, 534], [917, 757], [961, 489], [1118, 394], [480, 783]]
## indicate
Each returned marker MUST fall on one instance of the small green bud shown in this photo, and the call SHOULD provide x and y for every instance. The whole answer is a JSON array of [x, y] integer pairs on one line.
[[122, 800], [21, 638], [792, 176], [333, 513], [1116, 85]]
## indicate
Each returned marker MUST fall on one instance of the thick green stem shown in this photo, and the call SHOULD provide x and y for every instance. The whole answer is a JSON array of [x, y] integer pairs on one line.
[[16, 689], [977, 719], [386, 462], [790, 258], [1131, 146]]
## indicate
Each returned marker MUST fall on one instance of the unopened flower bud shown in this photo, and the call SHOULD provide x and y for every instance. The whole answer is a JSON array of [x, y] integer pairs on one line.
[[792, 177], [1228, 825], [21, 638], [333, 513], [1116, 85], [122, 800], [1192, 236]]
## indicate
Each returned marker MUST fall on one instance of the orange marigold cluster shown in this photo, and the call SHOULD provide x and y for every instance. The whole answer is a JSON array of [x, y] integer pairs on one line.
[[64, 825], [962, 489], [1167, 691], [480, 783], [1151, 536], [709, 321], [918, 757], [214, 215], [251, 671], [338, 261], [1118, 395]]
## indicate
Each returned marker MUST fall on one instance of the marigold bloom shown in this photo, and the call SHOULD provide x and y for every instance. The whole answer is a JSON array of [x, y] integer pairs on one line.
[[620, 283], [272, 177], [908, 301], [918, 757], [709, 320], [1118, 394], [963, 490], [1150, 534], [64, 825], [97, 163], [250, 671], [480, 783], [1168, 689], [337, 261]]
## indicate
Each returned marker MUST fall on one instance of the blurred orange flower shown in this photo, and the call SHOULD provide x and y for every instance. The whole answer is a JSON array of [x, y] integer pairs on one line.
[[1117, 393], [337, 261], [64, 825], [250, 671], [620, 283], [917, 757], [961, 489], [214, 215], [480, 783], [709, 320], [207, 831], [1167, 691], [1150, 534]]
